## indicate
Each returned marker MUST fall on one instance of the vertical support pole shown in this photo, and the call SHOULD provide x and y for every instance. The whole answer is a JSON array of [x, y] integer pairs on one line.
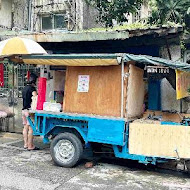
[[181, 106], [44, 125], [13, 94], [122, 87]]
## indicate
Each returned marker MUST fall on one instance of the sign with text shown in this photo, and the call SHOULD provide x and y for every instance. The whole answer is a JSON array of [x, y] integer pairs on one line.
[[1, 75], [158, 70], [83, 83], [182, 84]]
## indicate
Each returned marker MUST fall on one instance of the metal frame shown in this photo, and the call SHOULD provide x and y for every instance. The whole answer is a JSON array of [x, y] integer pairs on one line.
[[91, 130]]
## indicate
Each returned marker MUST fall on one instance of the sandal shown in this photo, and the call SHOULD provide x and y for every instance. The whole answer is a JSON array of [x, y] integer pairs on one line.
[[35, 148], [26, 147]]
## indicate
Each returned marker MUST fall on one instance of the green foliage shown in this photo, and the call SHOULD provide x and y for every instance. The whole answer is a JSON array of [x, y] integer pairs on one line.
[[117, 10], [188, 90], [163, 11], [136, 25], [182, 45]]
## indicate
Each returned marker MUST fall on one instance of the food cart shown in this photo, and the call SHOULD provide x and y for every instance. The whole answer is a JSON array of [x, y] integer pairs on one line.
[[104, 103]]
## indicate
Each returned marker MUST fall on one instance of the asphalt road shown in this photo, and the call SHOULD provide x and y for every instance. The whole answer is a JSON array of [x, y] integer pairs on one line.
[[22, 169]]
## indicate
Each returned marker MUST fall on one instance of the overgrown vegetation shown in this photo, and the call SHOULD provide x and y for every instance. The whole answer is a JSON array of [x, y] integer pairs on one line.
[[136, 25], [116, 10], [163, 12], [176, 11]]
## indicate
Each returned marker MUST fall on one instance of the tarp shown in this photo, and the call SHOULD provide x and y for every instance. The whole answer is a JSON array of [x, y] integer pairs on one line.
[[183, 84], [145, 59], [101, 60]]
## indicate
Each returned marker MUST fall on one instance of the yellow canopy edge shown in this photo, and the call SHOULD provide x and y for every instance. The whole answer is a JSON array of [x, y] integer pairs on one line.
[[72, 62]]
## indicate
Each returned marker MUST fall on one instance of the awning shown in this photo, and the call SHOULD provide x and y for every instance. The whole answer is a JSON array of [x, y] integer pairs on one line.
[[101, 60], [73, 59]]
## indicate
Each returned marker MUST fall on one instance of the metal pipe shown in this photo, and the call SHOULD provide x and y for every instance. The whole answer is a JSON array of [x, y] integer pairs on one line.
[[29, 14], [122, 87]]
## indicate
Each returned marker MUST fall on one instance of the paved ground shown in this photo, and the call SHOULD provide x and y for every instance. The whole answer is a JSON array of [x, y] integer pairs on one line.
[[21, 169]]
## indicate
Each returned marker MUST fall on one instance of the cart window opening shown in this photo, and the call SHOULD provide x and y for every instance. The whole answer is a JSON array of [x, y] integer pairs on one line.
[[59, 85]]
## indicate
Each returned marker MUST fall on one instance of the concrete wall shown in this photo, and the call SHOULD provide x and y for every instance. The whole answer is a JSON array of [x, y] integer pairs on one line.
[[20, 14], [90, 17], [175, 51], [168, 94], [14, 14], [5, 14]]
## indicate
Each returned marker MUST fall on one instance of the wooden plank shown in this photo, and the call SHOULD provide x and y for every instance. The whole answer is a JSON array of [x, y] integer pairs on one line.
[[126, 70], [175, 117], [136, 92], [104, 95], [159, 140]]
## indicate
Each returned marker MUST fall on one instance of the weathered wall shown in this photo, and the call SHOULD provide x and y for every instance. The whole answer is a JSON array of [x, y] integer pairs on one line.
[[5, 14], [168, 98], [175, 51], [20, 14], [45, 7], [79, 15], [168, 94], [90, 17]]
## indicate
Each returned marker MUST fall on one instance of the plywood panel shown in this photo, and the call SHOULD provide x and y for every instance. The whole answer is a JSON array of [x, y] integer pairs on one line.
[[136, 90], [159, 140], [104, 95]]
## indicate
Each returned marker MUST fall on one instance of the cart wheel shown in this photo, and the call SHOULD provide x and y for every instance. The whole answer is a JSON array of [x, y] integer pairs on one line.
[[66, 149], [188, 166]]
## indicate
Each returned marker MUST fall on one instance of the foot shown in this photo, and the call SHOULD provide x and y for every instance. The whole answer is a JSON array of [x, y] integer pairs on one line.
[[35, 148]]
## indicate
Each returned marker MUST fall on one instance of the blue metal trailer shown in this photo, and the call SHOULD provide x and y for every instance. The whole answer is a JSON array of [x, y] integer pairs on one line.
[[72, 133]]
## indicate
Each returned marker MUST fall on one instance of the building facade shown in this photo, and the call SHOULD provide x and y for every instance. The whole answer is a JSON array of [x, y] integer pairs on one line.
[[56, 25], [51, 15]]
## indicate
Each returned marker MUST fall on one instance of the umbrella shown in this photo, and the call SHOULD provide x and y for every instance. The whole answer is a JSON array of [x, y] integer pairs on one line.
[[20, 46]]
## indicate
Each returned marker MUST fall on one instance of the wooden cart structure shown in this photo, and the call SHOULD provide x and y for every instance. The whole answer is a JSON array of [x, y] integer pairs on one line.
[[104, 109]]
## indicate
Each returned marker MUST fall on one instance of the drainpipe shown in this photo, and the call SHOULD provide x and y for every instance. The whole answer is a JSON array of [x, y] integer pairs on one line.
[[29, 14]]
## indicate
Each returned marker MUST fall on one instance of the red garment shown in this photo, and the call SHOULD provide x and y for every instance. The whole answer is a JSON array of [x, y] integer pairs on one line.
[[28, 75], [41, 93], [1, 75]]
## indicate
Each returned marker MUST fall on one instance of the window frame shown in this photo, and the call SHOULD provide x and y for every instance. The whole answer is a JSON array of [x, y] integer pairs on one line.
[[53, 15]]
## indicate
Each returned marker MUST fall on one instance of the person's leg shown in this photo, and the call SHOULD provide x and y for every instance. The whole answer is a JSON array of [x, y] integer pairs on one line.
[[25, 135], [30, 139], [25, 129]]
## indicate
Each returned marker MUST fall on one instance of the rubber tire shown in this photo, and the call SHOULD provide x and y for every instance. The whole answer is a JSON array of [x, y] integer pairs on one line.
[[77, 145], [188, 166]]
